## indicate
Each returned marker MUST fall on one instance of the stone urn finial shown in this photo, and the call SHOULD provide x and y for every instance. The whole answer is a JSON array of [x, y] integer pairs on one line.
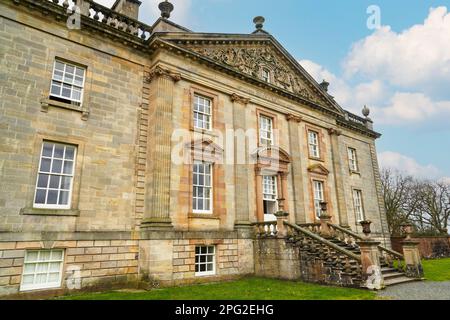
[[324, 85], [324, 210], [408, 230], [166, 8], [366, 227], [366, 111], [259, 22]]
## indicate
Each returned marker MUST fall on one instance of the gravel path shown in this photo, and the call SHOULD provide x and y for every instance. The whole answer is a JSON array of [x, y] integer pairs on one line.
[[424, 290]]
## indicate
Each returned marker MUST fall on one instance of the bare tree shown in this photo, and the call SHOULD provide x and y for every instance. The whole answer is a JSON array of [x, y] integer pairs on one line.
[[422, 202], [399, 198], [433, 211]]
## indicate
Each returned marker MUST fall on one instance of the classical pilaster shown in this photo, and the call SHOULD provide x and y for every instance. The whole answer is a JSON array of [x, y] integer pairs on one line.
[[376, 174], [296, 169], [157, 206], [338, 178], [241, 163]]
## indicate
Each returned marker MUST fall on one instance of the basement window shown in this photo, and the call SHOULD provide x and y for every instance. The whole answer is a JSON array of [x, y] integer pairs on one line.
[[42, 269], [205, 260]]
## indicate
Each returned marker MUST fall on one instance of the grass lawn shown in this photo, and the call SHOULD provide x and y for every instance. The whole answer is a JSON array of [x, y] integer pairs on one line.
[[260, 289], [245, 289], [437, 270]]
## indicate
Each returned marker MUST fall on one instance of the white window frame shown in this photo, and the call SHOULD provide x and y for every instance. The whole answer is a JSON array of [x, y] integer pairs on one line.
[[270, 195], [71, 84], [266, 74], [265, 130], [353, 159], [47, 285], [207, 254], [358, 205], [207, 117], [71, 176], [319, 196], [211, 187], [314, 145]]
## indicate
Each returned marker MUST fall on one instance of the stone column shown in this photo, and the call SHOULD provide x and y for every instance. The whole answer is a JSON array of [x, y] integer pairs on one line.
[[339, 181], [157, 206], [241, 163], [296, 169]]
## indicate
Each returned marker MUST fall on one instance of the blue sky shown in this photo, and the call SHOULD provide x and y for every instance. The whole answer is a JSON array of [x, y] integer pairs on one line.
[[401, 70]]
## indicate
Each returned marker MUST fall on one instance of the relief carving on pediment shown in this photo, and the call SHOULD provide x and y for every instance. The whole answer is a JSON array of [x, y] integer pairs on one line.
[[251, 60]]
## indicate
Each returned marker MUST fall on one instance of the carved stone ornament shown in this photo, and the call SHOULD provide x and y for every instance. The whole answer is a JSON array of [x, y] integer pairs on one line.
[[251, 61], [159, 71], [291, 117], [333, 131], [236, 98]]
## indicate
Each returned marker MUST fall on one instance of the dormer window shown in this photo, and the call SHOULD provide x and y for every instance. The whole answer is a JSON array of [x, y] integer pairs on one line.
[[266, 75]]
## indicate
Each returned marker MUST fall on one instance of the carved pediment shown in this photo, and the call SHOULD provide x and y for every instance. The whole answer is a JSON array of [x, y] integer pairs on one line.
[[252, 60], [318, 169]]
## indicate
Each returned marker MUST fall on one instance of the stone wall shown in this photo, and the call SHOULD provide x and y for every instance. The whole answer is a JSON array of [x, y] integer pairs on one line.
[[99, 263], [429, 247], [275, 259]]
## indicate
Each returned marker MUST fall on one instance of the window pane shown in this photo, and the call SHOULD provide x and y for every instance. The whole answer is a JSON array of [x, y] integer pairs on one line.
[[66, 91], [56, 166], [54, 182], [70, 153], [63, 197], [28, 279], [53, 277], [32, 256], [65, 183], [68, 165], [56, 89], [43, 180], [29, 268], [40, 196], [47, 149], [59, 151], [57, 255], [59, 65], [45, 165], [52, 197]]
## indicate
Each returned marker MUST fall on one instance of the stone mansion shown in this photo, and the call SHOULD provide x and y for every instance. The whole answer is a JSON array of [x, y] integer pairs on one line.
[[132, 153]]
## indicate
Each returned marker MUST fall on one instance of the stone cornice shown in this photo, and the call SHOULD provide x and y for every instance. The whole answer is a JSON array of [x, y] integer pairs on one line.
[[159, 71]]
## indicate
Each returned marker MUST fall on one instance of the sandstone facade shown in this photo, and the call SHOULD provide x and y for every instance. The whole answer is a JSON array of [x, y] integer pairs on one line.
[[131, 214]]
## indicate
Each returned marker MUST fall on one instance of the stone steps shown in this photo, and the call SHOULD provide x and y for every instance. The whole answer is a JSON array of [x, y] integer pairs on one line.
[[398, 280]]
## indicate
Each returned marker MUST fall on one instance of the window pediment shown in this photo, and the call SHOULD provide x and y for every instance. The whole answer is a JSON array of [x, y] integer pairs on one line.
[[272, 158], [318, 169], [205, 149]]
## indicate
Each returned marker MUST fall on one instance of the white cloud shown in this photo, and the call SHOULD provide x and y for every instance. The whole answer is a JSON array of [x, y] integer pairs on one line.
[[416, 57], [352, 98], [407, 165], [411, 108], [405, 70]]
